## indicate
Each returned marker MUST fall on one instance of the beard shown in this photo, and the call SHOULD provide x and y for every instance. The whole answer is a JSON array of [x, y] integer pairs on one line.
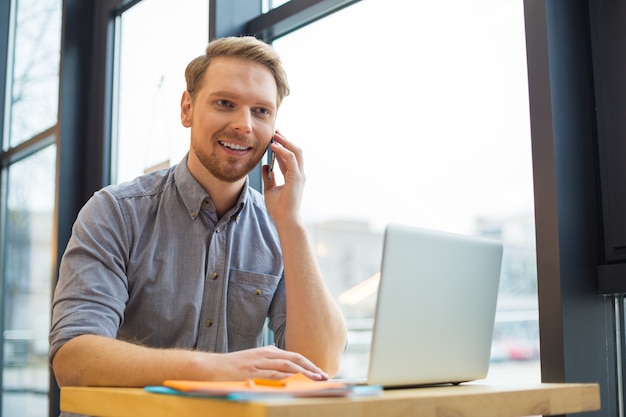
[[229, 170]]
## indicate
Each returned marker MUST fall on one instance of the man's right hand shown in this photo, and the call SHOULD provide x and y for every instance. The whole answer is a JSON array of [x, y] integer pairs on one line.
[[90, 360], [268, 362]]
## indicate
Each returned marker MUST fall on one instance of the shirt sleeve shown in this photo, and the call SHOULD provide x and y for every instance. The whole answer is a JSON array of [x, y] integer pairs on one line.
[[92, 289]]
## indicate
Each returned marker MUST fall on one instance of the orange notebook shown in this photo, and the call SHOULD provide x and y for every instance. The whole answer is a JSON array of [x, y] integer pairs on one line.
[[294, 386]]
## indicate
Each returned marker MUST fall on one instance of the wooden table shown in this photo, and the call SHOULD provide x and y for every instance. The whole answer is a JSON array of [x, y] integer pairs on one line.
[[469, 400]]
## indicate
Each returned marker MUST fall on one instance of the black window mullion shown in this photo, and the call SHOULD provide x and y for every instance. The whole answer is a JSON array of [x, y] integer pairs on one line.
[[293, 15]]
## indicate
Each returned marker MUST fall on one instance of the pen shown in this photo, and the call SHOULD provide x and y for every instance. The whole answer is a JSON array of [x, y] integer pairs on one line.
[[265, 383]]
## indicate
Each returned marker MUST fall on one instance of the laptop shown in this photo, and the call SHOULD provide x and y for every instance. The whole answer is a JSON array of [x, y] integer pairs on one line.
[[435, 308]]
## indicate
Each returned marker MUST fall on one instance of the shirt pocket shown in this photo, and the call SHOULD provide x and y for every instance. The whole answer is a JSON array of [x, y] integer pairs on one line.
[[250, 295]]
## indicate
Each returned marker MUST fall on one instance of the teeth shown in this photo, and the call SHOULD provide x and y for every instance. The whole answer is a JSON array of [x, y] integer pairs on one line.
[[234, 146]]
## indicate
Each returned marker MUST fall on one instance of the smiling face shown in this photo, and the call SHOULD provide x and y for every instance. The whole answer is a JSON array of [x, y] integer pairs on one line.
[[231, 118]]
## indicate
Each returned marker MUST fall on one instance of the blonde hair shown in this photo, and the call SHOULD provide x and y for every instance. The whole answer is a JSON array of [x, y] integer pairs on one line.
[[247, 48]]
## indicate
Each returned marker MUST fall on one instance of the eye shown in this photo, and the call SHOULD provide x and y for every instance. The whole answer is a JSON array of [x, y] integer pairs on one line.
[[223, 103], [262, 111]]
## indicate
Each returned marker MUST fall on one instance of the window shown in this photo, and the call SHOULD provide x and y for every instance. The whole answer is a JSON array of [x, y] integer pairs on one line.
[[27, 204], [33, 96], [28, 270], [417, 113], [272, 4], [156, 41]]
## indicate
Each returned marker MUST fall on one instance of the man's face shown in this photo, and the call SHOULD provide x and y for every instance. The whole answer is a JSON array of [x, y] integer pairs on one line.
[[231, 117]]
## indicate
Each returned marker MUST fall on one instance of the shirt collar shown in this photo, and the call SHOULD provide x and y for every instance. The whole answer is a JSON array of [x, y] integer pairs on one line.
[[193, 195]]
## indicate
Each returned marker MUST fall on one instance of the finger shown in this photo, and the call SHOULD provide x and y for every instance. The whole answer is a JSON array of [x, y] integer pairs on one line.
[[282, 368], [292, 148], [295, 150], [295, 362], [269, 180], [288, 162]]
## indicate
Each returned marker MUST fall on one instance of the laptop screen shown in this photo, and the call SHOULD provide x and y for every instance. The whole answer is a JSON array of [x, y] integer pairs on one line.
[[435, 309]]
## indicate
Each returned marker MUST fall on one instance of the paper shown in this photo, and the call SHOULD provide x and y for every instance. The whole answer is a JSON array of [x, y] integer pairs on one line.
[[294, 386]]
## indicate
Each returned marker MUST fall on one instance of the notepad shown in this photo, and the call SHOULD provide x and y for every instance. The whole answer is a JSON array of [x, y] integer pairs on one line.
[[296, 386]]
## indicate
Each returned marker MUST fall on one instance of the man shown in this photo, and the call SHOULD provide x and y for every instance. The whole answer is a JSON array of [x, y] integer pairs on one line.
[[173, 275]]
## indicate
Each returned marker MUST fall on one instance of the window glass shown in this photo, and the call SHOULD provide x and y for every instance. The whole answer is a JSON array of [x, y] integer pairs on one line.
[[34, 72], [26, 292], [268, 5], [157, 40], [418, 114]]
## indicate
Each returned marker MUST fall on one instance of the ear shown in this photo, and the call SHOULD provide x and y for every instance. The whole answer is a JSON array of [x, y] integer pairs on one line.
[[186, 109]]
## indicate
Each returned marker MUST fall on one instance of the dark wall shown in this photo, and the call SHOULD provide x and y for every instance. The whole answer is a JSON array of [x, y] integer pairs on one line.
[[608, 46], [577, 324]]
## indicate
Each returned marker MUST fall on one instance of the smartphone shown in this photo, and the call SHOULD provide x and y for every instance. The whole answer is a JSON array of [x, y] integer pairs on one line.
[[271, 158]]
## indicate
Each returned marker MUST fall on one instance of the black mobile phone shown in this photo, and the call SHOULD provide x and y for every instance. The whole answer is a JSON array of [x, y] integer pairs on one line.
[[271, 158]]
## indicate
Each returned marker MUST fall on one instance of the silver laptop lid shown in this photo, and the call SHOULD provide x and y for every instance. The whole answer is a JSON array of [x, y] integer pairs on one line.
[[435, 309]]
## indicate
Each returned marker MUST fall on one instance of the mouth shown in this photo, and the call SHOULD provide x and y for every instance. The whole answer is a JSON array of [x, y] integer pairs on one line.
[[234, 147]]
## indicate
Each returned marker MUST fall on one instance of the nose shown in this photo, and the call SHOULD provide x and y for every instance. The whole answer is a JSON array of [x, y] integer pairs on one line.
[[242, 120]]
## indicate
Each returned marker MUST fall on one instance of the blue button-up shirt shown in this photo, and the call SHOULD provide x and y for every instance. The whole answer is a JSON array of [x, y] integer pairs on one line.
[[149, 262]]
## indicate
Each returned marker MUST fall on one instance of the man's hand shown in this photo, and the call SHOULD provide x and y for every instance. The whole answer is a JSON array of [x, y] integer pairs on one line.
[[283, 201], [268, 362], [90, 360]]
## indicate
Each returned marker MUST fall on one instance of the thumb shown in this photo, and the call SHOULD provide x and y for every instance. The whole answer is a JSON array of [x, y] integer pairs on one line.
[[267, 177]]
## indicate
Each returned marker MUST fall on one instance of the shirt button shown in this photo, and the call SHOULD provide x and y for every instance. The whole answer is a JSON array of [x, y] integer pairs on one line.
[[257, 292], [193, 213], [208, 323], [217, 230], [213, 275]]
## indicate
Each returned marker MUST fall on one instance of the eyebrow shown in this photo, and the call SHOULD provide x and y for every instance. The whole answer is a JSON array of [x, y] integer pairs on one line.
[[231, 95]]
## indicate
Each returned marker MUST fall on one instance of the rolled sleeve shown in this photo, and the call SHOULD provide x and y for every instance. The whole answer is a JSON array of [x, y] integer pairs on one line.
[[92, 290]]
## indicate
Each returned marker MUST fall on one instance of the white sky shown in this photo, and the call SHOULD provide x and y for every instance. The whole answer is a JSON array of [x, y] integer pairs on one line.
[[418, 117], [426, 122]]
